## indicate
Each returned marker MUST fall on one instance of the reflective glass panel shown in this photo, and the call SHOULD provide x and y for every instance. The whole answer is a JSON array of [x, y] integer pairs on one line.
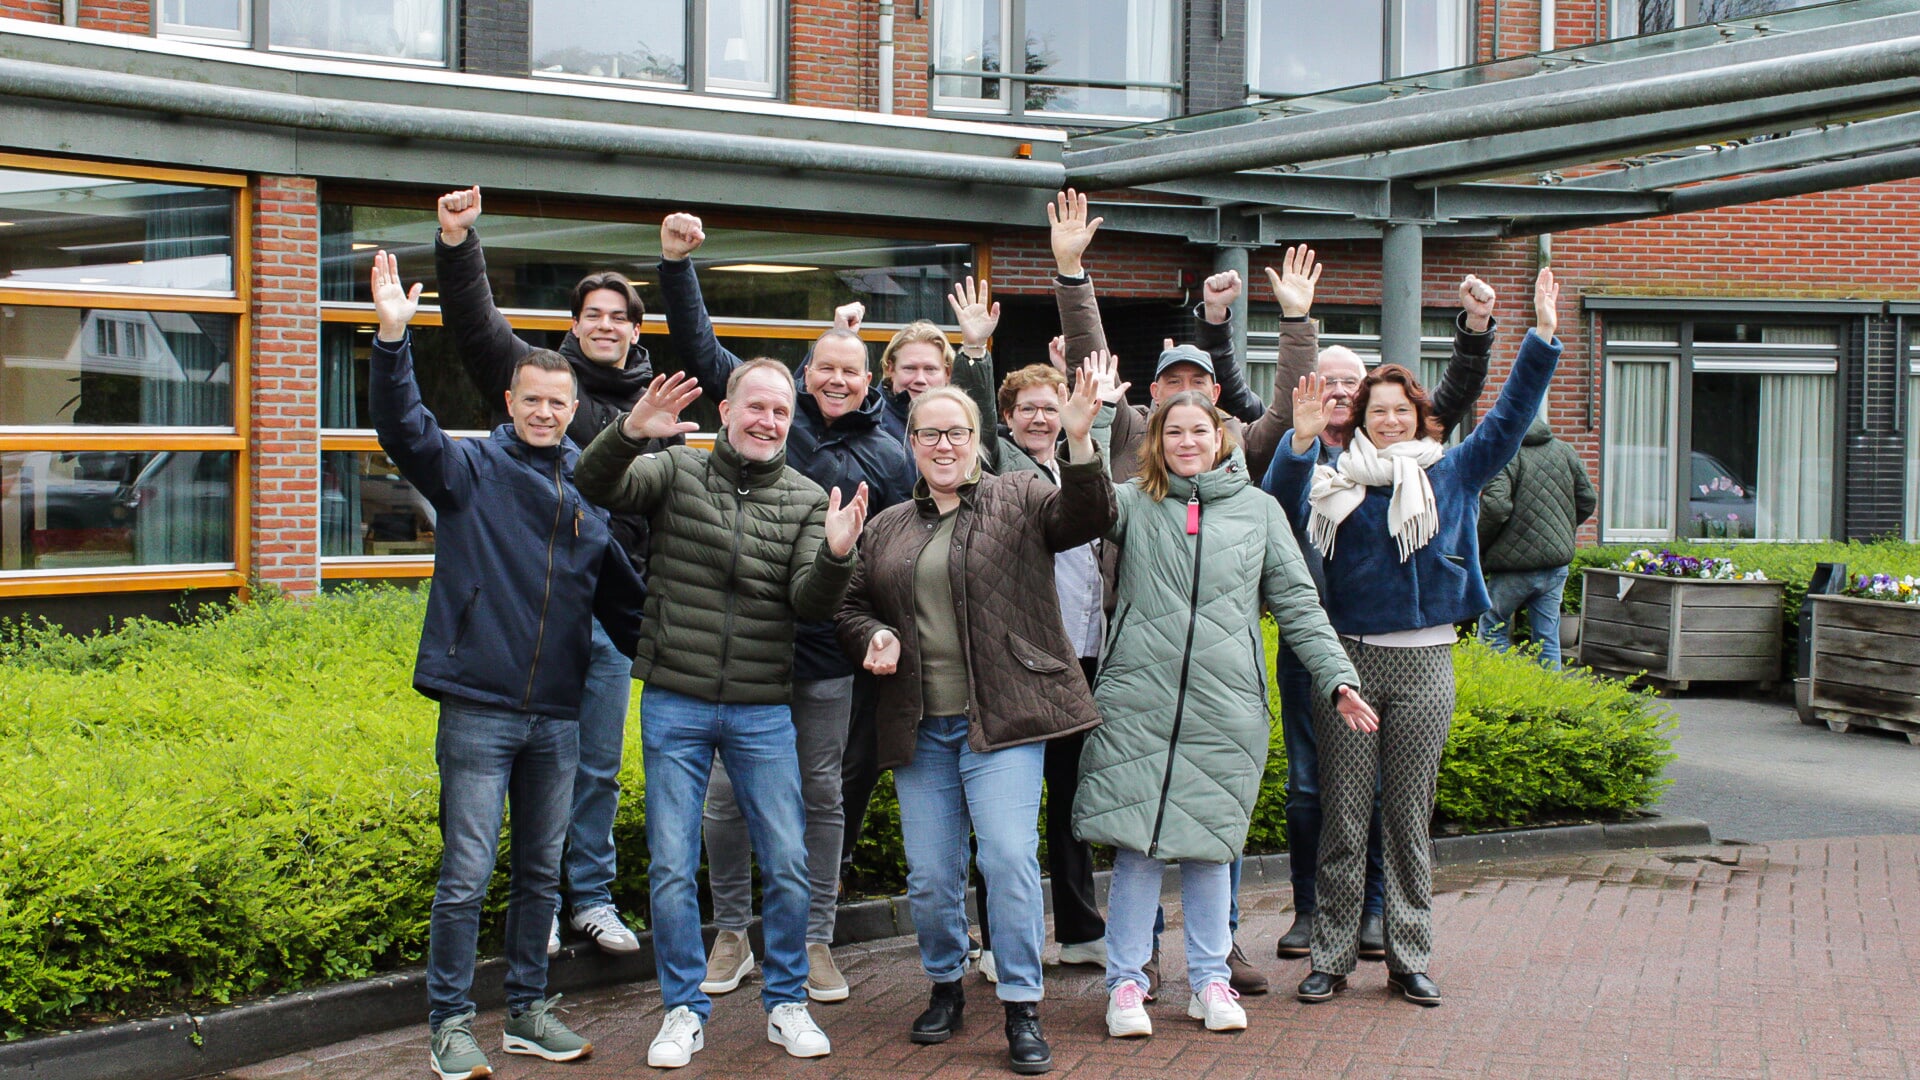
[[968, 36], [645, 40], [742, 41], [81, 232], [222, 18], [1107, 40], [368, 509], [62, 510], [390, 29], [1303, 46], [78, 366], [344, 355]]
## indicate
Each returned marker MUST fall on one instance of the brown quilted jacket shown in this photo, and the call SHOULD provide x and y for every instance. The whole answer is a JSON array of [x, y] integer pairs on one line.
[[1026, 683]]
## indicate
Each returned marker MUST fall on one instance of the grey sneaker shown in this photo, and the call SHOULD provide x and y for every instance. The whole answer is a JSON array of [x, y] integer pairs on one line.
[[454, 1053], [730, 961], [602, 923], [537, 1031]]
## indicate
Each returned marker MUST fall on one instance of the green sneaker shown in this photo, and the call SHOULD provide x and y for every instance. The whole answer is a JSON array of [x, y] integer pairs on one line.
[[539, 1032], [454, 1054]]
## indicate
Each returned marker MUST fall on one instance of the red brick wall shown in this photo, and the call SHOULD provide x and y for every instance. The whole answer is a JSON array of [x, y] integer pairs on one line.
[[830, 53], [1123, 265], [126, 16], [286, 383], [37, 10]]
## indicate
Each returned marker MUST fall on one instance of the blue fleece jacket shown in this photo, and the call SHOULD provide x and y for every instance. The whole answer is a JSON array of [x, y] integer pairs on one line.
[[522, 563], [1368, 589]]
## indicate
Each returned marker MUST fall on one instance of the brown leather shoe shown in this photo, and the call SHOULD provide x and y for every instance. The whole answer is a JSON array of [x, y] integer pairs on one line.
[[1242, 975]]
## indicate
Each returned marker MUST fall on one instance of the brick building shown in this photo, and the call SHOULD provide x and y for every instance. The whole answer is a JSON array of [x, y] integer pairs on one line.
[[190, 190]]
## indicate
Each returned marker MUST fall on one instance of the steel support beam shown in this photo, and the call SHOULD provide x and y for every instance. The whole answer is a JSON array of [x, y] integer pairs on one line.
[[1194, 224], [1401, 254], [1291, 191], [1521, 200], [1790, 151]]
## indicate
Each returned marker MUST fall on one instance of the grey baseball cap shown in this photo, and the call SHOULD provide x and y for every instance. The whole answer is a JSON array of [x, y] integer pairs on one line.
[[1184, 354]]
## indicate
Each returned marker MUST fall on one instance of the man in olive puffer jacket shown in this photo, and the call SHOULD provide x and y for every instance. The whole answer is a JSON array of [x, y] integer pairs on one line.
[[743, 548], [1528, 517]]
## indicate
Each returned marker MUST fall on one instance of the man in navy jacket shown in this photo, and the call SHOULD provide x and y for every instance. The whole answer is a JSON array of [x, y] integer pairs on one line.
[[520, 561]]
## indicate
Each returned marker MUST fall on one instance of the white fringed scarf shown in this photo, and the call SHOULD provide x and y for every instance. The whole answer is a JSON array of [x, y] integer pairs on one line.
[[1337, 490]]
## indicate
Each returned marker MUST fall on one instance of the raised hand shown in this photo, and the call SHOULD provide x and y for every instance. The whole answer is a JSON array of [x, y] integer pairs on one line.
[[1477, 298], [1218, 294], [1057, 353], [1072, 232], [680, 236], [1546, 305], [657, 414], [848, 316], [1355, 711], [1077, 413], [1309, 411], [1105, 369], [883, 653], [1294, 283], [971, 308], [845, 522], [392, 303], [458, 211]]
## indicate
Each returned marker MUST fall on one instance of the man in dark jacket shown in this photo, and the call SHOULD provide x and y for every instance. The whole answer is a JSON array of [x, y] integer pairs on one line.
[[838, 440], [743, 547], [521, 562], [1528, 516], [603, 350]]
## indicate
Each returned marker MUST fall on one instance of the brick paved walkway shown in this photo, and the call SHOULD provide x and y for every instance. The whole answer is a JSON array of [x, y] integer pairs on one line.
[[1790, 959]]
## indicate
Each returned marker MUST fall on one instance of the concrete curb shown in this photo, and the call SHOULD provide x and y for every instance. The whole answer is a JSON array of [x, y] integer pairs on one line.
[[182, 1046]]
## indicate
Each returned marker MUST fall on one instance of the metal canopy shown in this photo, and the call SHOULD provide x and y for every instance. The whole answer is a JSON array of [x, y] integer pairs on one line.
[[1753, 109]]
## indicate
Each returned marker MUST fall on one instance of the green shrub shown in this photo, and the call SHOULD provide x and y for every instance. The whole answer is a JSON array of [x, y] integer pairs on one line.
[[247, 803]]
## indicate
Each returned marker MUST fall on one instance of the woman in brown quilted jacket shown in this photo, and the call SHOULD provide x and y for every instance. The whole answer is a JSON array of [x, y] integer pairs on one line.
[[953, 607]]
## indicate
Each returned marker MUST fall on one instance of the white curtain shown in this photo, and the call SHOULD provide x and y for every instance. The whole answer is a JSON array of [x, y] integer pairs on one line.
[[961, 42], [1793, 493], [419, 25], [1149, 50], [1637, 486], [737, 51]]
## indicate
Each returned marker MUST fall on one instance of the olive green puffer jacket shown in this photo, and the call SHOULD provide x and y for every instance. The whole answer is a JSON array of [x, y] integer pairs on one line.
[[1174, 767], [739, 553]]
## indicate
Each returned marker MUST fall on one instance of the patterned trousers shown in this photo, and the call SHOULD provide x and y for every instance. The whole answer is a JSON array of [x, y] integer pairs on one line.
[[1412, 690]]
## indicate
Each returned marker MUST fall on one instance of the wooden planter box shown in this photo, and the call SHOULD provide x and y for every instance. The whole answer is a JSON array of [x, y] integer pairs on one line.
[[1866, 664], [1678, 630]]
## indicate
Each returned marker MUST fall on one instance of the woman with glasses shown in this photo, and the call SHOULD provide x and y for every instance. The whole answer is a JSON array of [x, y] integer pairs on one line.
[[953, 607]]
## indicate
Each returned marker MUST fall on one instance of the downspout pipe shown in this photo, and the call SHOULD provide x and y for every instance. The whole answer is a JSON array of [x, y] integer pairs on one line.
[[886, 56], [70, 12], [1424, 120], [119, 90]]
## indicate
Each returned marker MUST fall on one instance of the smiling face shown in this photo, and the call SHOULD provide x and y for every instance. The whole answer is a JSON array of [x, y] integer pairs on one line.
[[758, 413], [837, 376], [541, 403], [943, 465], [1035, 420], [604, 329], [918, 366], [1190, 440], [1391, 418], [1180, 378], [1344, 372]]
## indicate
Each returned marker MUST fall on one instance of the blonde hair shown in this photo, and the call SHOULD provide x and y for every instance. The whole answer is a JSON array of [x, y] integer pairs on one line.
[[918, 331], [967, 408], [1153, 452]]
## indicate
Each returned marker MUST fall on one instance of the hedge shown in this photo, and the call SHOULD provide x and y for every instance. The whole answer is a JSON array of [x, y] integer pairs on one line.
[[246, 803]]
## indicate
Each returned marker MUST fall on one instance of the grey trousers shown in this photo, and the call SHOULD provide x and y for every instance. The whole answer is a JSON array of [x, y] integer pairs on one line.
[[820, 711], [1412, 690]]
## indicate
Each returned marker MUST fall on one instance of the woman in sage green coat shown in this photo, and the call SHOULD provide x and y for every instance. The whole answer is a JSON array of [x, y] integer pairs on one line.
[[1172, 772]]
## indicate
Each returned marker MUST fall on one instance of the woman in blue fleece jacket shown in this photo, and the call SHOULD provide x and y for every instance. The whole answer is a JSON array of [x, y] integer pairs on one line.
[[1395, 518]]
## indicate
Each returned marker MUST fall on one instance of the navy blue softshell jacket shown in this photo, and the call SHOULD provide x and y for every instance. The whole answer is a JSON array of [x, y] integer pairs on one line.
[[522, 563], [855, 449]]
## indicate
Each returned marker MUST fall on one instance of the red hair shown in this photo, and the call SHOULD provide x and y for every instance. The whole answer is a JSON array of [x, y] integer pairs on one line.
[[1424, 421]]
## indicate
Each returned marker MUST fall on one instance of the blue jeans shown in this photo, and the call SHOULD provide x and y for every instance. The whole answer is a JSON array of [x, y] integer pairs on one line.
[[1303, 794], [1539, 592], [679, 737], [490, 758], [1134, 893], [947, 789], [596, 786]]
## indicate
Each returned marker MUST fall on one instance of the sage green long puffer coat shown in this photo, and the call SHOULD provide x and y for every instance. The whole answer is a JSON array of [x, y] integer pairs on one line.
[[1175, 765]]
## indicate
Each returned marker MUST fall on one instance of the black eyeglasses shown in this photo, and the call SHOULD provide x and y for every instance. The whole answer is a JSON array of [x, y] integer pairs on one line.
[[930, 436]]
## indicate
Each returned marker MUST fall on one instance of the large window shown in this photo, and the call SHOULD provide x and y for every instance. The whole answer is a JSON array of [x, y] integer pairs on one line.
[[1719, 429], [121, 343], [1356, 329], [1631, 17], [770, 292], [1305, 46], [1071, 58], [717, 46], [406, 30]]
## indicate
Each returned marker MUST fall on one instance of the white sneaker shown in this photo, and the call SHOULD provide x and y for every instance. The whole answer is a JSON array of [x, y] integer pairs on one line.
[[1215, 1005], [602, 923], [986, 966], [1091, 953], [730, 961], [790, 1026], [1127, 1011], [681, 1036], [553, 938]]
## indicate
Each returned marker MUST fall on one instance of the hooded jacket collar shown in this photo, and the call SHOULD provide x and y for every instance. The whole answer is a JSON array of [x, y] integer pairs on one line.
[[923, 495], [745, 474], [618, 384], [1539, 433], [1217, 483]]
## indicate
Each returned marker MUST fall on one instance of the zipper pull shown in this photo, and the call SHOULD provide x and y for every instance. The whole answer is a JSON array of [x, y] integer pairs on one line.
[[1193, 513], [577, 514]]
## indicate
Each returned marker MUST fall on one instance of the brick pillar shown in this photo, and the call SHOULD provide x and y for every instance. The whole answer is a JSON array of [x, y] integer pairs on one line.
[[285, 389]]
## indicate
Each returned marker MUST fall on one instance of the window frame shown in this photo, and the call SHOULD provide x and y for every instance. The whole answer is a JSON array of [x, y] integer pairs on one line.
[[1393, 39], [1013, 28], [236, 438], [696, 45], [257, 16]]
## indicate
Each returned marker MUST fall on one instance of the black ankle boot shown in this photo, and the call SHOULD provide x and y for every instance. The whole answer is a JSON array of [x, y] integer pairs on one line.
[[1027, 1049], [945, 1014]]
